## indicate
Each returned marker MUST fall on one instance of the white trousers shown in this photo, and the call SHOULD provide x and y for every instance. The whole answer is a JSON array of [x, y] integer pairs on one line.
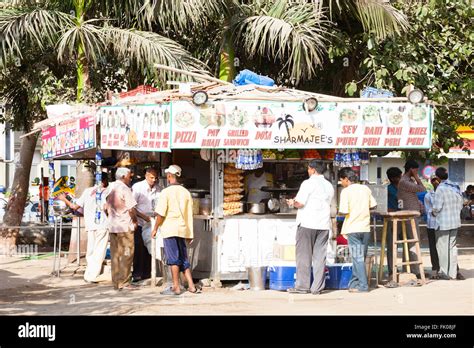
[[146, 235], [96, 248]]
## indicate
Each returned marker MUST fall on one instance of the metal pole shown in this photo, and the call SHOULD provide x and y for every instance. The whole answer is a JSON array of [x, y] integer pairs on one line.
[[153, 262], [60, 237], [78, 241], [375, 250], [54, 250]]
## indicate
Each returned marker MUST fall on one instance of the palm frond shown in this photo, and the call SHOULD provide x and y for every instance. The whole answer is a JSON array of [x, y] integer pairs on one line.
[[380, 18], [36, 27], [146, 48], [181, 14], [290, 31], [85, 34], [376, 16]]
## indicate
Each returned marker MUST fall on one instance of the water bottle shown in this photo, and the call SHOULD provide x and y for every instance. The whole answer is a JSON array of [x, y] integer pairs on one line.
[[97, 216]]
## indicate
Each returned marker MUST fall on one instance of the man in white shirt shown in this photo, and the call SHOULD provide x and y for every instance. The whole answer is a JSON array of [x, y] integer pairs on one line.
[[97, 233], [145, 193], [314, 222]]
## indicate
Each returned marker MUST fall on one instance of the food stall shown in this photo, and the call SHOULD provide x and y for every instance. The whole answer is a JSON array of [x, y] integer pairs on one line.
[[239, 129], [265, 128]]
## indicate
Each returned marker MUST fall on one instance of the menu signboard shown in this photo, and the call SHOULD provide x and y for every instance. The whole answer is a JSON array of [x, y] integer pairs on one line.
[[136, 127], [69, 136], [277, 125]]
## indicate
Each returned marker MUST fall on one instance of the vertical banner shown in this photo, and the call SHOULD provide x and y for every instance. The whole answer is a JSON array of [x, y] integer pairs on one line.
[[136, 127], [69, 136]]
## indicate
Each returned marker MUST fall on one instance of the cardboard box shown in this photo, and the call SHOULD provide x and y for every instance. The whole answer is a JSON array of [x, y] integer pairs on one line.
[[284, 252]]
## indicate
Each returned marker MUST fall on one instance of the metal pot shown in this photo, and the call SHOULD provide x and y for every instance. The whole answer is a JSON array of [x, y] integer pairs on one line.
[[273, 205], [256, 208], [60, 207], [198, 193]]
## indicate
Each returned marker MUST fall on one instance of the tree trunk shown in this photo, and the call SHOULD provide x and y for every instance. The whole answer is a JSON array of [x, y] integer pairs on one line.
[[82, 69], [16, 205], [84, 179], [227, 55]]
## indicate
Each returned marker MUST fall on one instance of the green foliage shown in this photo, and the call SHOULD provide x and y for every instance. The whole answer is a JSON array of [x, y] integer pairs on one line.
[[437, 56]]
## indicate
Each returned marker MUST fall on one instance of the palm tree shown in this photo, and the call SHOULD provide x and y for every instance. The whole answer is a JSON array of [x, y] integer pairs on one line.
[[288, 120], [79, 32], [83, 31], [293, 35]]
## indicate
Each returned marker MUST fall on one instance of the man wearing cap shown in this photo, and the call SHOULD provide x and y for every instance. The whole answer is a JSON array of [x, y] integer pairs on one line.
[[175, 216], [314, 222], [121, 218]]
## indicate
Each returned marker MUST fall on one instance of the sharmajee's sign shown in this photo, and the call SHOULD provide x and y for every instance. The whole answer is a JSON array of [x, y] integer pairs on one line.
[[255, 124]]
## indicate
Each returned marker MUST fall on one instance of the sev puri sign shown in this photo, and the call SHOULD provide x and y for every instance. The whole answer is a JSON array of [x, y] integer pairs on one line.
[[276, 125]]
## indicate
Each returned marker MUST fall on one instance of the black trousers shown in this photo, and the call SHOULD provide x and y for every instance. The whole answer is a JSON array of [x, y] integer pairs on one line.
[[433, 251], [141, 258]]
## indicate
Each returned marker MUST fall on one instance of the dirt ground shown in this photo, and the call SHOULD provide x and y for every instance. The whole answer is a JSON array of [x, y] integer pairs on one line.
[[27, 288]]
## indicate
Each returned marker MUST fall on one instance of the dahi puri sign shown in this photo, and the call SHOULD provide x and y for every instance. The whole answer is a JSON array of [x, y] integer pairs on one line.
[[69, 136], [136, 127], [267, 125]]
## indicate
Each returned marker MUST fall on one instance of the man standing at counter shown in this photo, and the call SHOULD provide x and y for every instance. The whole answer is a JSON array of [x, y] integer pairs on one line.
[[175, 216], [408, 187], [314, 222], [356, 202], [447, 207], [121, 218], [145, 193]]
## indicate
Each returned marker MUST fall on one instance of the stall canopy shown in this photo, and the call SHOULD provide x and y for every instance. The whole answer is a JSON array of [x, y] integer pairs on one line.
[[247, 116]]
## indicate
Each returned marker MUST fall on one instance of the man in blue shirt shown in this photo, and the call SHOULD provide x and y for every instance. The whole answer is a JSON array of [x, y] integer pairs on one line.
[[394, 175]]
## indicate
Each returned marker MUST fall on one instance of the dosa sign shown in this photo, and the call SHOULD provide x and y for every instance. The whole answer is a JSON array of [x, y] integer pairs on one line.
[[272, 125]]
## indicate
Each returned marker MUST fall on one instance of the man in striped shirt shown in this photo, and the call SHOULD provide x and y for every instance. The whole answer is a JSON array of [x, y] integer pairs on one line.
[[447, 207], [408, 187]]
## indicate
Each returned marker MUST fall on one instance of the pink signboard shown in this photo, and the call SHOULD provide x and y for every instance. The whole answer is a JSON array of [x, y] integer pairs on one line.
[[68, 137]]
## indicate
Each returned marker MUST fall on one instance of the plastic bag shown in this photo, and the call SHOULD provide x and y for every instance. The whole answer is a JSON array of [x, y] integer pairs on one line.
[[246, 77]]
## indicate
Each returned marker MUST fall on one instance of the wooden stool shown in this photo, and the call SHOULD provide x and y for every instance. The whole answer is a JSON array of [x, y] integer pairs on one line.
[[403, 217]]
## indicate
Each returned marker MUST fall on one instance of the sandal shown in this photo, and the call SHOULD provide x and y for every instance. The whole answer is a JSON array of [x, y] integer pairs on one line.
[[391, 284], [196, 291], [170, 292]]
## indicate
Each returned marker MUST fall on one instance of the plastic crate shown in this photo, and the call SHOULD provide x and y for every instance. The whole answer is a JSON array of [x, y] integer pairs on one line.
[[338, 276], [140, 90]]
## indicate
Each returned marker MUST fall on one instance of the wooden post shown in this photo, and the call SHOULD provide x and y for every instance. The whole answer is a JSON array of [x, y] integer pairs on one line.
[[418, 251], [382, 250], [405, 245], [394, 251]]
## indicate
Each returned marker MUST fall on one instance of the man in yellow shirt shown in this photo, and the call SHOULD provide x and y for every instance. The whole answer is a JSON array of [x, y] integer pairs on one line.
[[175, 216], [355, 203]]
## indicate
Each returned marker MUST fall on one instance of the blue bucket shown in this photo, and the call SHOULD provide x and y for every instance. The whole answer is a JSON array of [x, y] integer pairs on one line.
[[282, 277], [338, 276]]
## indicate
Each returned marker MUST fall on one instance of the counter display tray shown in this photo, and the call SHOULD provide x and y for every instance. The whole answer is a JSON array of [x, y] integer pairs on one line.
[[285, 214], [278, 189]]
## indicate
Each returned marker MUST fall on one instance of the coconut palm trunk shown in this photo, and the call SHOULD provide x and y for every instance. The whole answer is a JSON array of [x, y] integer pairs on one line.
[[227, 55], [9, 231]]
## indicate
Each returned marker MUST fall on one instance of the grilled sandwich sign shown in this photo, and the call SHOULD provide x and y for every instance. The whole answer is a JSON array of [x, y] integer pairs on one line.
[[255, 124]]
